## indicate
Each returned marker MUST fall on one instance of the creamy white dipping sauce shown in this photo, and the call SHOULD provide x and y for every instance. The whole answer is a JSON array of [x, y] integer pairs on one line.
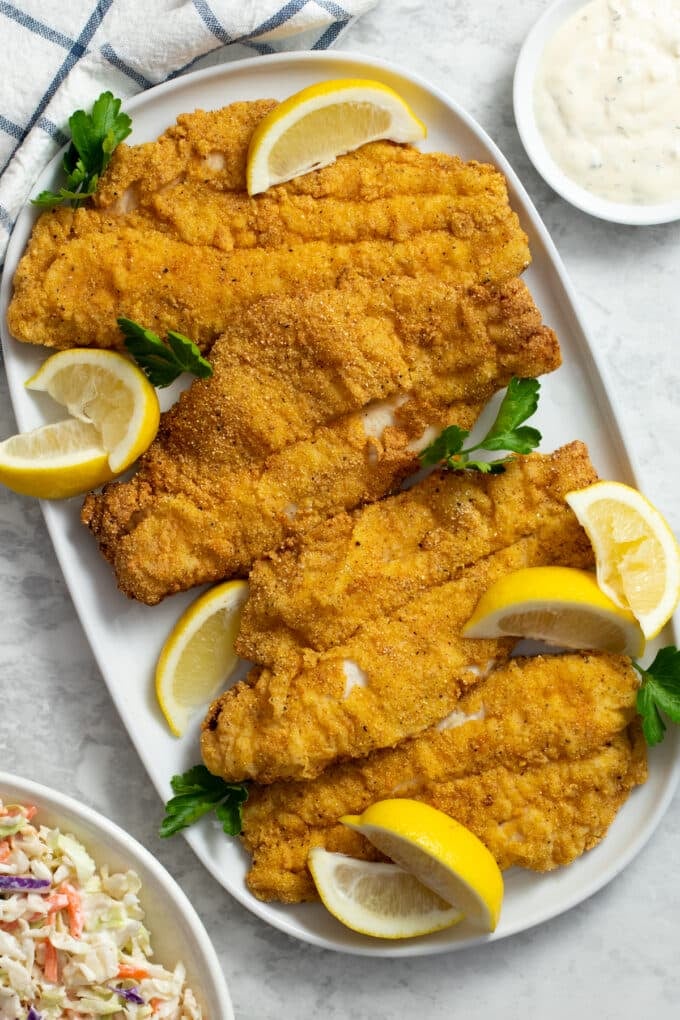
[[607, 99]]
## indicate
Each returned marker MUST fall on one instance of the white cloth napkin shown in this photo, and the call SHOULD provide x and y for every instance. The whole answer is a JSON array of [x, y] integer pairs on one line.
[[58, 57]]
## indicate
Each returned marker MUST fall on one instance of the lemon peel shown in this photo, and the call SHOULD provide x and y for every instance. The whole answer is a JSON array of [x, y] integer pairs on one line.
[[561, 605], [199, 655], [55, 461], [105, 389], [310, 129], [637, 555], [381, 900], [442, 854]]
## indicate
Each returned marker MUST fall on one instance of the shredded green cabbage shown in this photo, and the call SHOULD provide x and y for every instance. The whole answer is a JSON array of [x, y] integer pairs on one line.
[[87, 928]]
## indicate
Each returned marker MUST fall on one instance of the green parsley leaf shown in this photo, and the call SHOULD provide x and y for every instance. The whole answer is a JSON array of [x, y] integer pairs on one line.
[[229, 811], [188, 355], [448, 444], [94, 136], [519, 403], [507, 433], [653, 725], [197, 793], [48, 199], [659, 692], [486, 467], [163, 362]]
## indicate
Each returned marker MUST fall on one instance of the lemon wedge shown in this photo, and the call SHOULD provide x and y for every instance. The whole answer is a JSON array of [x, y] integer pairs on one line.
[[378, 899], [199, 654], [55, 461], [104, 389], [312, 128], [637, 556], [560, 605], [441, 853], [115, 417]]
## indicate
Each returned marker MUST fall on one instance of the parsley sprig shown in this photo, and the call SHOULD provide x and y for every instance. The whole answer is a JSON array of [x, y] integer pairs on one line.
[[163, 362], [659, 692], [197, 793], [94, 136], [506, 433]]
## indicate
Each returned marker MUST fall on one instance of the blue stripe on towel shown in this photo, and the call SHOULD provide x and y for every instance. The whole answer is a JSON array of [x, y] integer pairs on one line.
[[211, 22], [73, 56], [108, 51], [5, 219], [52, 130], [6, 224], [186, 67], [335, 9], [26, 21], [283, 15], [330, 35], [10, 128], [263, 49]]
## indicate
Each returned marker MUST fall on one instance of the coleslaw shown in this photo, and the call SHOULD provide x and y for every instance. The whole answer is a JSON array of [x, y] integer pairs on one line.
[[72, 938]]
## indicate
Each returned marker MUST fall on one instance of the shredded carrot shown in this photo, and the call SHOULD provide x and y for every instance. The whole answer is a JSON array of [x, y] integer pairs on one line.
[[156, 1004], [126, 970], [5, 850], [56, 901], [76, 918], [28, 809], [51, 963]]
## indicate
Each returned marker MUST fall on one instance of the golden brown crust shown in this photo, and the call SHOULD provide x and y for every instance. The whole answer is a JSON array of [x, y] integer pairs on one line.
[[549, 753], [274, 442], [316, 592], [174, 241], [297, 716]]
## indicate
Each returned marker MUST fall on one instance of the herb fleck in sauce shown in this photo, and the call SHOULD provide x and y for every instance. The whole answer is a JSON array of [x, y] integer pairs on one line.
[[607, 99]]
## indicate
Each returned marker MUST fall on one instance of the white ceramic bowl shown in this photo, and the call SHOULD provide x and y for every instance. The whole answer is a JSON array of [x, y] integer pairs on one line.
[[176, 931], [523, 101]]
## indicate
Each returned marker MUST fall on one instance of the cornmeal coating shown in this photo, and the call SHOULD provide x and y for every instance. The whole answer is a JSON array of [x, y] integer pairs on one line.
[[317, 403], [393, 678], [316, 592], [174, 241], [536, 760]]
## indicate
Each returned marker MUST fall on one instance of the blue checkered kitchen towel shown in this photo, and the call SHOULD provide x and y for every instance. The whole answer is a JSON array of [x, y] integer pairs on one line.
[[58, 56]]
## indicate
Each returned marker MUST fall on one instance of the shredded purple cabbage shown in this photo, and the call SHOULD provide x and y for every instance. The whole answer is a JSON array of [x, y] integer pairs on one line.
[[15, 883], [130, 994], [33, 1014]]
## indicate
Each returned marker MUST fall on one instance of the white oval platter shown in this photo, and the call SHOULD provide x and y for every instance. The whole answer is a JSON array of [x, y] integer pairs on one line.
[[126, 637]]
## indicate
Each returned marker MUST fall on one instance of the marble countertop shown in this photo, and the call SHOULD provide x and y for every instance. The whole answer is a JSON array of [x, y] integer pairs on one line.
[[612, 956]]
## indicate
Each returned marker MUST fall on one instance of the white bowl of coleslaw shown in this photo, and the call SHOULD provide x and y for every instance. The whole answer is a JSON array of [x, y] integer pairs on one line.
[[82, 905]]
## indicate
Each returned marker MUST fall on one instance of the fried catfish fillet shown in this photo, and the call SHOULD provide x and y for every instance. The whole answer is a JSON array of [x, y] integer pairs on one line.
[[316, 592], [175, 242], [317, 403], [536, 760], [395, 675]]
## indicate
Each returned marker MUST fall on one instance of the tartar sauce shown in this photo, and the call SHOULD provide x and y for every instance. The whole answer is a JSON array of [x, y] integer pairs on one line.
[[607, 99]]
